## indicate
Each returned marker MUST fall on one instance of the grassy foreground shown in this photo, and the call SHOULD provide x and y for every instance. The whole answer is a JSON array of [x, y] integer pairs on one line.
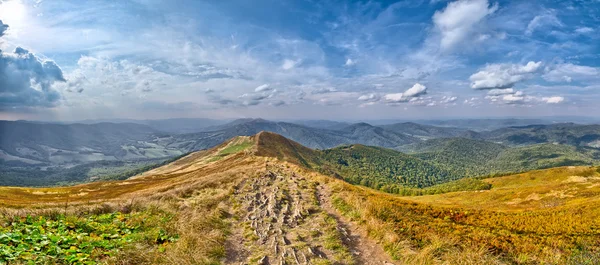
[[190, 212]]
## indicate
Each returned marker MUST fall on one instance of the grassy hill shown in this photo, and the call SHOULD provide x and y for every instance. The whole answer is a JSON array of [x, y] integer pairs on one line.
[[562, 133], [377, 167], [261, 199], [471, 158]]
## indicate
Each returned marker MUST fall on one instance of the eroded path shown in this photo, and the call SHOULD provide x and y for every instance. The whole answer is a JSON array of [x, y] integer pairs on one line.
[[365, 250], [284, 218]]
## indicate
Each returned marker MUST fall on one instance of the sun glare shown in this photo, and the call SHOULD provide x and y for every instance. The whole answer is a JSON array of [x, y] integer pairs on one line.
[[12, 12]]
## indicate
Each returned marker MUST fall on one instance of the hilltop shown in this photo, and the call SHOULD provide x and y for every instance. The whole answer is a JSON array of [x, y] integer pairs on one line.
[[265, 199]]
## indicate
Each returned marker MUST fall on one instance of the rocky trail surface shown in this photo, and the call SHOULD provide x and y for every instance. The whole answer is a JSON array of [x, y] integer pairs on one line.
[[285, 218]]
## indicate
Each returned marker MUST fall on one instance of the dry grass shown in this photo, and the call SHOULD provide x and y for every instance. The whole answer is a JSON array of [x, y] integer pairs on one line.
[[470, 227], [564, 187]]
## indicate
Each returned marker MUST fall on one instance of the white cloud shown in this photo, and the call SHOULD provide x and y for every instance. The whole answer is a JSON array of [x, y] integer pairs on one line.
[[548, 19], [448, 99], [349, 62], [369, 97], [495, 76], [553, 100], [395, 97], [264, 87], [513, 98], [458, 20], [289, 64], [415, 91], [584, 30], [568, 72], [498, 92]]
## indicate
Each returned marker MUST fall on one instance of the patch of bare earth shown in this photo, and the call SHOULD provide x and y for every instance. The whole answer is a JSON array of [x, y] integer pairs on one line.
[[285, 218], [366, 250]]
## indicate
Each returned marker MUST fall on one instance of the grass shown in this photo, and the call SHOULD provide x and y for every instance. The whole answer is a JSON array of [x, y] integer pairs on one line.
[[234, 147], [565, 187], [183, 213], [418, 233], [82, 240]]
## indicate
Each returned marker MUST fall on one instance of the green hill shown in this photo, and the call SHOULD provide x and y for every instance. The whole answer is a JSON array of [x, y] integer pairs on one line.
[[376, 167], [470, 158]]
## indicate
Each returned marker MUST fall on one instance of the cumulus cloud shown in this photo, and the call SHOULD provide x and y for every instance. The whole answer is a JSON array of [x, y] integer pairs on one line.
[[261, 88], [568, 72], [553, 100], [27, 80], [3, 28], [499, 76], [415, 91], [349, 62], [458, 20]]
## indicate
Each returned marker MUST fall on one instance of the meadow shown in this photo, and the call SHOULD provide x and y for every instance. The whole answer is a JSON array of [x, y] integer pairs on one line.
[[190, 211]]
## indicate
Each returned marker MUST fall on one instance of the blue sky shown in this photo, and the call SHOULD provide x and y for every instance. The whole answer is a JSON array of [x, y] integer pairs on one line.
[[70, 60]]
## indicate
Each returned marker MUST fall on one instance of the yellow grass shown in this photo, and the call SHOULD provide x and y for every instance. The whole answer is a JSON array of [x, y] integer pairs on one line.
[[540, 217]]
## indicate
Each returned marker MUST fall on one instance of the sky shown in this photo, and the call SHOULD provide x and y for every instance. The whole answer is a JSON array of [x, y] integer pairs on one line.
[[301, 59]]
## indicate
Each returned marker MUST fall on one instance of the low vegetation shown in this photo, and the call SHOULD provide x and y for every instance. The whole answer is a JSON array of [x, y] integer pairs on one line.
[[265, 199], [417, 233], [70, 239]]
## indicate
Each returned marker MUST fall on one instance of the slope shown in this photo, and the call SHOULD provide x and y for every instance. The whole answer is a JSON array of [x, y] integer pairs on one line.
[[562, 133], [424, 131], [470, 157], [236, 203], [308, 136], [35, 143], [230, 204]]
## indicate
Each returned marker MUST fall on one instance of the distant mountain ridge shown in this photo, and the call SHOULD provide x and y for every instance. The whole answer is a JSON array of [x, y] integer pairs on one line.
[[37, 143]]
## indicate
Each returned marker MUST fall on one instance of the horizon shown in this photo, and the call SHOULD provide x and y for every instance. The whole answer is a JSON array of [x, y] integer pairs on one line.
[[556, 119], [67, 60]]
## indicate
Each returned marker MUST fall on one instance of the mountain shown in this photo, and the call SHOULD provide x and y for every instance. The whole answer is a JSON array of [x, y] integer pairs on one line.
[[263, 199], [321, 124], [563, 133], [470, 157], [36, 143], [376, 167], [175, 125], [360, 133], [484, 124], [364, 133], [465, 157], [425, 131]]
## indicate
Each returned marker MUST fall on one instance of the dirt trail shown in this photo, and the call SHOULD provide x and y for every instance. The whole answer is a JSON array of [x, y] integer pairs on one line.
[[285, 218], [366, 250]]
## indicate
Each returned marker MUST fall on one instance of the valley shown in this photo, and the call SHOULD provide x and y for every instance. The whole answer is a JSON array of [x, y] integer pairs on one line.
[[263, 199], [79, 153]]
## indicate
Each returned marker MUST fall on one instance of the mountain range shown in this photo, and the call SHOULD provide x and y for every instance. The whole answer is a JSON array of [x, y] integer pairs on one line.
[[28, 147]]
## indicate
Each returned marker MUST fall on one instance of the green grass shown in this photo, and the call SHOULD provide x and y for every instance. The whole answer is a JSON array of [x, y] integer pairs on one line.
[[79, 240], [233, 148]]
